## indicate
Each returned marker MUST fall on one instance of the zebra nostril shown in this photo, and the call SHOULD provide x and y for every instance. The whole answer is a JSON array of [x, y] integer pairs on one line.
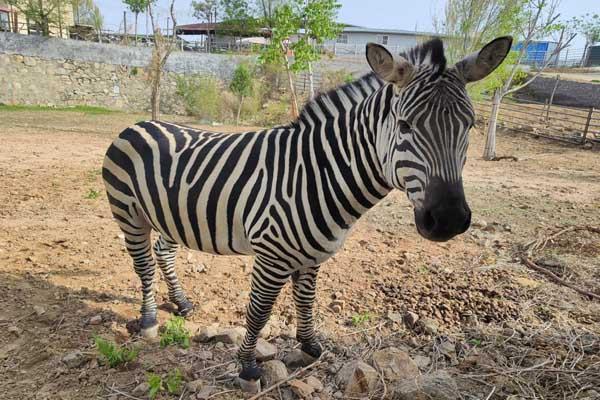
[[428, 221]]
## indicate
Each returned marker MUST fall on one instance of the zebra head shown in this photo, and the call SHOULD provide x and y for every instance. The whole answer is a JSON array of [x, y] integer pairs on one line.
[[423, 137]]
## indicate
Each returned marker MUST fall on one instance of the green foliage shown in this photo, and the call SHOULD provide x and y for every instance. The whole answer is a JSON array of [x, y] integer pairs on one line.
[[238, 19], [88, 110], [92, 194], [175, 333], [200, 94], [497, 79], [588, 26], [113, 354], [362, 318], [241, 83], [172, 383], [332, 79], [274, 113], [138, 6]]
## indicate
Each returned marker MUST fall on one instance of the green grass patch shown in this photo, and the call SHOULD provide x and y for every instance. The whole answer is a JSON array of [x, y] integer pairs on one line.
[[171, 384], [113, 354], [361, 319], [175, 333], [89, 110], [92, 194]]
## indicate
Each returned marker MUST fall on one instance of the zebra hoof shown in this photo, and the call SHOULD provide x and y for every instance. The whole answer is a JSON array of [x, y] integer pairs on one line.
[[249, 386], [185, 309], [312, 350], [150, 332]]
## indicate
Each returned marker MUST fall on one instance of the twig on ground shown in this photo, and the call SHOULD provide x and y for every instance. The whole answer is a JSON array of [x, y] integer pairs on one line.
[[289, 378], [122, 393], [364, 330], [212, 396], [489, 396]]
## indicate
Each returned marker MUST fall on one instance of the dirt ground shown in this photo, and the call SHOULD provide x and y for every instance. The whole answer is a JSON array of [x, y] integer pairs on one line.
[[499, 328]]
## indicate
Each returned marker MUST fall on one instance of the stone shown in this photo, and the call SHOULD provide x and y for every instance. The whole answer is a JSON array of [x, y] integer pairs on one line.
[[395, 364], [205, 392], [297, 359], [422, 361], [141, 389], [74, 359], [39, 310], [301, 389], [479, 223], [435, 386], [394, 317], [265, 351], [357, 378], [204, 355], [273, 371], [195, 386], [95, 320], [410, 319], [315, 383], [231, 336], [206, 334], [429, 326], [14, 330]]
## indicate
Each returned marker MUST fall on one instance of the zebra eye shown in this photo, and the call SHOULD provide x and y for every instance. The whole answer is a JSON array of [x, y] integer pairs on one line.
[[404, 127]]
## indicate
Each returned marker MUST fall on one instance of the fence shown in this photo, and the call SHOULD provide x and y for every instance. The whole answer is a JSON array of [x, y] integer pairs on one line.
[[567, 124], [567, 58]]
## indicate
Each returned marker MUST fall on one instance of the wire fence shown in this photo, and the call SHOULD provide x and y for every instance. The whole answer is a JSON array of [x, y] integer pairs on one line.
[[569, 57], [567, 124]]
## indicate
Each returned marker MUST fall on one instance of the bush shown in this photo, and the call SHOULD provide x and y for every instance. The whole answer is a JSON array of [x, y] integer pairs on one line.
[[332, 79], [201, 95]]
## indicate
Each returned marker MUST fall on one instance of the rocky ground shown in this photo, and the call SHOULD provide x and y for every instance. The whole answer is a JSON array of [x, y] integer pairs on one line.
[[399, 317]]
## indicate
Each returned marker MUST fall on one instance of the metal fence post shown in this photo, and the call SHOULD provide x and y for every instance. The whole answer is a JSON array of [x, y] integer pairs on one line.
[[587, 125]]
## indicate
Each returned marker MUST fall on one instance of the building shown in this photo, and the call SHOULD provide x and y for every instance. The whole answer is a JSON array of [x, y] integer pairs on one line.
[[60, 20], [538, 52], [353, 39]]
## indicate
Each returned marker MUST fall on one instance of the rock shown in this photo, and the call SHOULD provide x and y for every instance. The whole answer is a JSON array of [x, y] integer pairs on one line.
[[297, 358], [14, 330], [141, 389], [39, 310], [231, 336], [95, 320], [429, 326], [422, 361], [395, 364], [74, 359], [204, 355], [265, 351], [410, 319], [436, 386], [357, 378], [479, 223], [301, 389], [273, 371], [315, 383], [394, 317], [195, 386], [207, 333], [205, 392]]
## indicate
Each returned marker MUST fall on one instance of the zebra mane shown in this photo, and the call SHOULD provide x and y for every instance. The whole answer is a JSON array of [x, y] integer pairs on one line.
[[355, 91], [428, 53]]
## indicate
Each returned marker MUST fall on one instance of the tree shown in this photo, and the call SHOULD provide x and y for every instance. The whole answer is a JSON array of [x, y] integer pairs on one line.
[[163, 47], [266, 11], [207, 11], [241, 86], [318, 19], [97, 21], [238, 20], [537, 19], [137, 7], [42, 13], [589, 26]]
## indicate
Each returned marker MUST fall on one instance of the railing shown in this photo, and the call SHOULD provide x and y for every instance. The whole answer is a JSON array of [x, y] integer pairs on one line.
[[566, 58], [567, 124]]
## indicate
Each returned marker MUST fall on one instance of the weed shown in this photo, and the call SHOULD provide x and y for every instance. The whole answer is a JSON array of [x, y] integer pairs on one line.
[[155, 384], [92, 194], [113, 354], [360, 319], [171, 383], [475, 342], [175, 333], [88, 110], [596, 80]]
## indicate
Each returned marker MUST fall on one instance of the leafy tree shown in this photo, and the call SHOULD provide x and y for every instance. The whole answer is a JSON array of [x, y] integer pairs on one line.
[[266, 10], [238, 20], [42, 13], [241, 86], [137, 7], [207, 11], [589, 26]]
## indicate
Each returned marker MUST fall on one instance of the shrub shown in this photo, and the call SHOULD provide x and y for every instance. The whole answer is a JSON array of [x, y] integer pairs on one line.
[[113, 354], [274, 113], [200, 95], [175, 333], [242, 86], [332, 79]]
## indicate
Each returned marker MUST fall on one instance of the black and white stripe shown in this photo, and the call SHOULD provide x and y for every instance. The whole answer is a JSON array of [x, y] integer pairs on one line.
[[287, 195]]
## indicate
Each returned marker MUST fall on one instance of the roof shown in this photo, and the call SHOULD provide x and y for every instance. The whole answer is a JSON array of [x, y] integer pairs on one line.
[[202, 28], [362, 29]]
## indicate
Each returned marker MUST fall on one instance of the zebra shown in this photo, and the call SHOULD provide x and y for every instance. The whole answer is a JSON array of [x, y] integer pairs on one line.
[[289, 195]]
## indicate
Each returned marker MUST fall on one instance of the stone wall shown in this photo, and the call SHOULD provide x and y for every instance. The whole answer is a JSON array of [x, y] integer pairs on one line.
[[58, 72]]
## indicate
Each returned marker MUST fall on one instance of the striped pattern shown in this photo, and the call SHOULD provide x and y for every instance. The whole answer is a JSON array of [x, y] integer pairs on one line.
[[287, 195]]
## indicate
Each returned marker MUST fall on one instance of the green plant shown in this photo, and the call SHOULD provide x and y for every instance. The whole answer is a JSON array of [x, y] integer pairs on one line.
[[113, 354], [241, 86], [201, 95], [155, 384], [92, 194], [175, 333], [173, 381], [274, 113], [360, 319], [332, 79]]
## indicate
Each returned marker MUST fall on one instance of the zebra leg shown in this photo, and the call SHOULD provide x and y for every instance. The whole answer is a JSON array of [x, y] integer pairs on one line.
[[267, 281], [304, 289], [139, 247], [166, 251]]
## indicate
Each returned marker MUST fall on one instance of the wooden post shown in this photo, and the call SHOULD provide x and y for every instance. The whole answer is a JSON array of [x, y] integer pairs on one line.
[[587, 125]]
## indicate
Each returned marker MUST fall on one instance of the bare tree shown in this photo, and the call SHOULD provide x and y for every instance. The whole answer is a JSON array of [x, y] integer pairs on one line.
[[207, 11], [539, 19], [163, 47]]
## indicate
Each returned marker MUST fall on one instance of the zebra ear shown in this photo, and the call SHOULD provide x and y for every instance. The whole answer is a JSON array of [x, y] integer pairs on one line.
[[478, 65], [383, 64]]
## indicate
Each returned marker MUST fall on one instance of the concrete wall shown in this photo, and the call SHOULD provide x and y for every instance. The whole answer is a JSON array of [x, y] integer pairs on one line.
[[357, 42], [49, 71]]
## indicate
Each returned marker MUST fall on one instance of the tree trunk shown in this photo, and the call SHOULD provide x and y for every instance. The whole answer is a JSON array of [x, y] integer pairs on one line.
[[237, 119], [311, 81], [136, 35], [155, 98], [295, 112], [489, 152]]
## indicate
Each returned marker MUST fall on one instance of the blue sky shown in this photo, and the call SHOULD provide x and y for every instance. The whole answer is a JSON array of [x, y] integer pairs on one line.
[[397, 14]]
